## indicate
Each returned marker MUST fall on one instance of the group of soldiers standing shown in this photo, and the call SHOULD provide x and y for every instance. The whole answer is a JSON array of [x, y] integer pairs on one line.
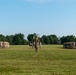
[[4, 44]]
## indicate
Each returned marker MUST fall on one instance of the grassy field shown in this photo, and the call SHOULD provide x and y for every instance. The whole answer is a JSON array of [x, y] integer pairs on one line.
[[50, 60]]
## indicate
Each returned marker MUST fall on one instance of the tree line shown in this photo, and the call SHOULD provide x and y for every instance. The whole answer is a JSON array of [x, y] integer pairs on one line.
[[53, 39], [19, 39]]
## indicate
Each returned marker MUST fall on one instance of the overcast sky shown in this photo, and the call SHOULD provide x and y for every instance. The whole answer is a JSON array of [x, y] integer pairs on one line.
[[38, 16]]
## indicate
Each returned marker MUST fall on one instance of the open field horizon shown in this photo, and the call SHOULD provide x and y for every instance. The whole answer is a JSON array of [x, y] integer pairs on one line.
[[49, 60]]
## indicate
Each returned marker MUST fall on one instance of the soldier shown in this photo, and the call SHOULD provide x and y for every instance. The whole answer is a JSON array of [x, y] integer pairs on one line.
[[36, 42]]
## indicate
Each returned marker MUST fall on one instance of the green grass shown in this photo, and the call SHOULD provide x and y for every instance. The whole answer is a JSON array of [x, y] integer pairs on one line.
[[50, 60]]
